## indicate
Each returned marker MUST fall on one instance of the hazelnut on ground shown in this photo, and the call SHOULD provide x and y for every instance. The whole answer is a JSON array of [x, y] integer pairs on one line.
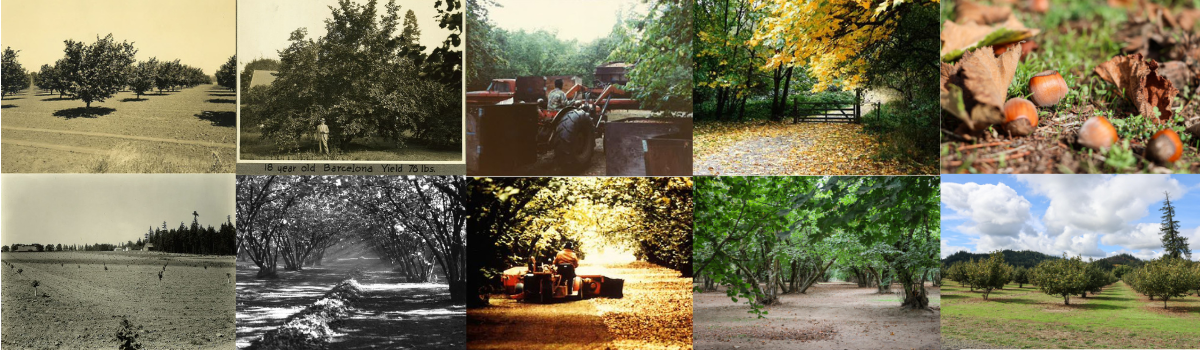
[[1164, 147], [1048, 88], [1097, 133], [1020, 117]]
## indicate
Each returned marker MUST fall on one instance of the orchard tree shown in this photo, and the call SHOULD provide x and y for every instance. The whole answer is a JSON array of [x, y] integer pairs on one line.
[[989, 274], [659, 46], [142, 77], [1065, 277], [1166, 278], [1021, 276], [1120, 271], [1173, 243], [96, 72], [14, 75], [227, 74]]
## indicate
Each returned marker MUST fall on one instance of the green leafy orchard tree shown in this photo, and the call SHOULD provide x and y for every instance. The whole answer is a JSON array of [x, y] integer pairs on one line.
[[14, 75], [989, 274], [1065, 277], [1021, 276], [96, 72], [1164, 277], [660, 48], [1120, 271]]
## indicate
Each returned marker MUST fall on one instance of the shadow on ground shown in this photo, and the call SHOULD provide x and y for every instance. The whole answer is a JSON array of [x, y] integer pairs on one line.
[[8, 106], [226, 119], [84, 112], [132, 99], [220, 100]]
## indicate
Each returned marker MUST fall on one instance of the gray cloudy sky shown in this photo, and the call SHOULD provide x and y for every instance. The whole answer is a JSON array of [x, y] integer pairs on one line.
[[103, 208]]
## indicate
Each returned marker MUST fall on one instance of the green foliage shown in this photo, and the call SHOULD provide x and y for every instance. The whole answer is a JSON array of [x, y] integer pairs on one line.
[[749, 228], [660, 47], [989, 274], [907, 128], [227, 74], [1021, 276], [1174, 244], [1165, 278], [1065, 277], [1024, 258], [356, 79], [15, 77], [1120, 271]]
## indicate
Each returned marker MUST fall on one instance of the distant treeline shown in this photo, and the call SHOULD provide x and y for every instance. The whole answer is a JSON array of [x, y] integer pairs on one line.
[[1030, 259], [185, 239]]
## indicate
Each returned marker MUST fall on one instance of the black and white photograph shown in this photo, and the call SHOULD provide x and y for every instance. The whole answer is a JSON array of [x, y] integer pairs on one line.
[[125, 261], [351, 262], [130, 86], [341, 80]]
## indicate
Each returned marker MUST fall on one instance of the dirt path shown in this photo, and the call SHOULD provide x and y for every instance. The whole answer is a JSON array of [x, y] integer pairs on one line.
[[830, 316], [127, 137], [655, 313]]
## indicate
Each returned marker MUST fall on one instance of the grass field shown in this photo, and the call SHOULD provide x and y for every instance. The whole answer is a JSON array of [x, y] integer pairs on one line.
[[1027, 318], [187, 131], [254, 147], [80, 304]]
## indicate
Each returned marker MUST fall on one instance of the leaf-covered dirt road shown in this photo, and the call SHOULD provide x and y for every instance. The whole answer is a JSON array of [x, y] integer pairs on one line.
[[654, 314], [769, 148], [830, 316]]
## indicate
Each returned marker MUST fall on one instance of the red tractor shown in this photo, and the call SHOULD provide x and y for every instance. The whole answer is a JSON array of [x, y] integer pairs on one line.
[[570, 132], [549, 283]]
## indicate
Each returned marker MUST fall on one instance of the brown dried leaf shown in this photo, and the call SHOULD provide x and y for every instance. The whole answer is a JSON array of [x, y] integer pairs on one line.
[[970, 35], [975, 88], [1178, 73], [970, 11], [1141, 83]]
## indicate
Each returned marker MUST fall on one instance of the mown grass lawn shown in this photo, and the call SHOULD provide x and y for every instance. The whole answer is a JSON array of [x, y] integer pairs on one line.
[[1027, 318]]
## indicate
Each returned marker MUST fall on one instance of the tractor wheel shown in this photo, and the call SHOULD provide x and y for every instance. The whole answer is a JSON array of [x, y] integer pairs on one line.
[[574, 141]]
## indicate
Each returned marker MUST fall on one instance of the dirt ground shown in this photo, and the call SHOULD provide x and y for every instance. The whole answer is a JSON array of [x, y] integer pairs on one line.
[[79, 304], [829, 316], [184, 131], [655, 313], [392, 314]]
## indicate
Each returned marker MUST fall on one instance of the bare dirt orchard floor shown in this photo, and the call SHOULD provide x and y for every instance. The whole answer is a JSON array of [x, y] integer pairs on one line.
[[829, 316], [655, 313], [186, 131], [79, 304], [392, 314]]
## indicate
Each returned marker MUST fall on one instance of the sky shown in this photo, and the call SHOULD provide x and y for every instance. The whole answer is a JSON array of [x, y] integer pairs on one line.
[[198, 33], [107, 208], [583, 21], [265, 25], [1090, 215]]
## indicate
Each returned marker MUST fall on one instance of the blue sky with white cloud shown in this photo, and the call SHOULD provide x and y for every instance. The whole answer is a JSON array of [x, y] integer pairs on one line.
[[1088, 215]]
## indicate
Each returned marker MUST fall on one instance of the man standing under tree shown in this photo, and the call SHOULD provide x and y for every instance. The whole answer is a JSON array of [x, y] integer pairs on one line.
[[567, 255], [323, 136], [1173, 244], [556, 99]]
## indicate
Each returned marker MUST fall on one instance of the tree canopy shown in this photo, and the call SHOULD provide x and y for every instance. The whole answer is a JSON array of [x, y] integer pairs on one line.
[[14, 75], [762, 235]]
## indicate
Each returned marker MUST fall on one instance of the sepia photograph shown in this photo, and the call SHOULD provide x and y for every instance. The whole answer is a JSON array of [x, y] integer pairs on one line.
[[125, 261], [589, 88], [1070, 261], [1070, 86], [580, 263], [129, 86], [351, 262], [798, 87], [343, 80], [811, 262]]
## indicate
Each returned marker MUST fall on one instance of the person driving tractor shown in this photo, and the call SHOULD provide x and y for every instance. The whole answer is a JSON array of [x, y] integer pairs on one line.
[[556, 99], [565, 263]]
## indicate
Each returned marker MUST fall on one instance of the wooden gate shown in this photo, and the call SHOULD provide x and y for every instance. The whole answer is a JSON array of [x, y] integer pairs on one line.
[[829, 112]]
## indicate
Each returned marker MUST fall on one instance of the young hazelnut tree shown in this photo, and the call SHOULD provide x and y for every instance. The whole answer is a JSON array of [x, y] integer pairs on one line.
[[1166, 278], [1065, 277], [989, 274]]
